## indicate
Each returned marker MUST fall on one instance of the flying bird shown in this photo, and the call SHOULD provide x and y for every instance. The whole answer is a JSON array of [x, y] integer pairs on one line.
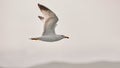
[[49, 19]]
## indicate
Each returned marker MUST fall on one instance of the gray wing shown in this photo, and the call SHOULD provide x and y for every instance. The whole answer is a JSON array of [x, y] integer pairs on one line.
[[50, 20]]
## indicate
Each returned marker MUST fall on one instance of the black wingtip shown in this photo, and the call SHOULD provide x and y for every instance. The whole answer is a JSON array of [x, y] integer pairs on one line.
[[39, 4], [42, 7], [41, 17]]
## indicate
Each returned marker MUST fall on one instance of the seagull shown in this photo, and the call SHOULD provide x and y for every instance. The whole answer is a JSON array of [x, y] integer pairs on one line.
[[49, 19]]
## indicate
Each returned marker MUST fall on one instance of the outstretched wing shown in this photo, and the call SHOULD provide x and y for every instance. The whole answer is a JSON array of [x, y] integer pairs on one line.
[[50, 20]]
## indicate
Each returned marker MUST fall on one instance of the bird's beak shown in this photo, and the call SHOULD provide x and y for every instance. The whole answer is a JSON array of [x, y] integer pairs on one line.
[[35, 38], [67, 37]]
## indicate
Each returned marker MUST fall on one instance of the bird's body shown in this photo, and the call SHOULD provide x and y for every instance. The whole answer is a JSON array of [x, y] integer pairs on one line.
[[51, 38], [50, 20]]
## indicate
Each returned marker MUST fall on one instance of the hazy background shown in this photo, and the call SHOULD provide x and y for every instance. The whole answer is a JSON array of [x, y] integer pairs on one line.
[[82, 65], [92, 25]]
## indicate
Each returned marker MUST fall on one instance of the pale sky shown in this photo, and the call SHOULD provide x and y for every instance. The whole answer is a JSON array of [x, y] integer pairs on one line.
[[92, 25]]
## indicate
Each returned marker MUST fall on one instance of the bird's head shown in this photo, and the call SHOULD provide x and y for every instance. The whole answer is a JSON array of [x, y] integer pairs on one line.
[[65, 36]]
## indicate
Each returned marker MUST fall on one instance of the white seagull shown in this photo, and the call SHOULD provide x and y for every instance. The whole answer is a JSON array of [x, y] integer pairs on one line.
[[49, 19]]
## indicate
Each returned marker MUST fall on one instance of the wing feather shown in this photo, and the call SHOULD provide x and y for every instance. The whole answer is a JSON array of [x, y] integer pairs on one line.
[[50, 20]]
